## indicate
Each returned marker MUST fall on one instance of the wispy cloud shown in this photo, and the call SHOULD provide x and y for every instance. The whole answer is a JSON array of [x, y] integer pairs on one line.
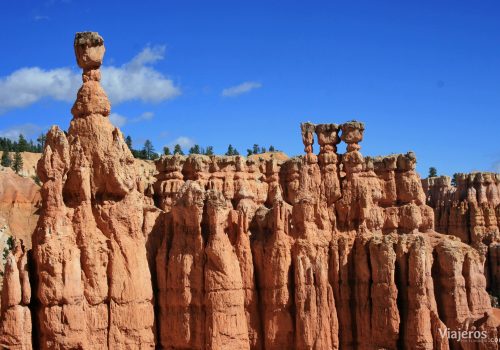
[[117, 119], [134, 80], [28, 130], [120, 120], [144, 116], [242, 88], [183, 141]]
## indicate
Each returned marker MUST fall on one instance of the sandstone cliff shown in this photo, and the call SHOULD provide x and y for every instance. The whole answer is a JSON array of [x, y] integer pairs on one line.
[[325, 260], [321, 251], [19, 205], [470, 210]]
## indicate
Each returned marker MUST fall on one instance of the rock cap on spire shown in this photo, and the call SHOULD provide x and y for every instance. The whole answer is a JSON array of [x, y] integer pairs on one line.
[[89, 50]]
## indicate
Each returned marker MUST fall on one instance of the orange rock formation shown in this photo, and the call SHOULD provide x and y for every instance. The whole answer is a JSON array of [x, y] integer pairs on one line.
[[470, 210], [322, 251], [19, 203]]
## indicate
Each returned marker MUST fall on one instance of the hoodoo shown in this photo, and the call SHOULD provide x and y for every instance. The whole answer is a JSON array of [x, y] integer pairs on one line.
[[470, 210], [320, 251], [92, 285]]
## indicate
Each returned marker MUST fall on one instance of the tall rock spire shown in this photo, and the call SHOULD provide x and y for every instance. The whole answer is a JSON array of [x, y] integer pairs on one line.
[[94, 284]]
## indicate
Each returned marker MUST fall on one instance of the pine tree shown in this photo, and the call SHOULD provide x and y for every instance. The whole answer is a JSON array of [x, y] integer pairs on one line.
[[249, 152], [209, 151], [8, 247], [256, 149], [41, 141], [166, 151], [230, 150], [128, 141], [263, 150], [6, 161], [178, 150], [432, 172], [195, 150], [17, 164], [272, 149], [22, 144], [148, 149]]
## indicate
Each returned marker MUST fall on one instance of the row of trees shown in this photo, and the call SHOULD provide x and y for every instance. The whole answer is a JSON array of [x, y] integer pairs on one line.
[[256, 149], [22, 144], [196, 149], [148, 151]]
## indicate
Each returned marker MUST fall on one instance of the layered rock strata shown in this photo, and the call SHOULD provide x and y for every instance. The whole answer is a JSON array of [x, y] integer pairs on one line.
[[321, 251], [470, 210]]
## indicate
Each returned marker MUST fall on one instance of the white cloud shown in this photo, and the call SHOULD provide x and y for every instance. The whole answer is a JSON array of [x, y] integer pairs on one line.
[[144, 116], [120, 120], [135, 80], [148, 55], [242, 88], [28, 130], [183, 141], [117, 120], [28, 85]]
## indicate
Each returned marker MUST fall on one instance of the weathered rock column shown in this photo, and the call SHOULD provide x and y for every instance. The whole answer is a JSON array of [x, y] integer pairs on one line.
[[180, 266], [328, 138], [169, 180], [15, 317], [349, 207], [308, 140], [94, 285], [273, 261], [226, 323]]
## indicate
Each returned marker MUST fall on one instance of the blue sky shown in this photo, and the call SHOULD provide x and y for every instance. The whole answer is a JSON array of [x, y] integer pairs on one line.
[[422, 75]]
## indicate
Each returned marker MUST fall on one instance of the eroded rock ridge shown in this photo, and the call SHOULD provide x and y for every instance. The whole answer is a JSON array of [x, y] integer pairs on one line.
[[470, 210]]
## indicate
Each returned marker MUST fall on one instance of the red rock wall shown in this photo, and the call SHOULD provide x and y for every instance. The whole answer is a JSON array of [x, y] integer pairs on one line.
[[470, 210], [334, 251]]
